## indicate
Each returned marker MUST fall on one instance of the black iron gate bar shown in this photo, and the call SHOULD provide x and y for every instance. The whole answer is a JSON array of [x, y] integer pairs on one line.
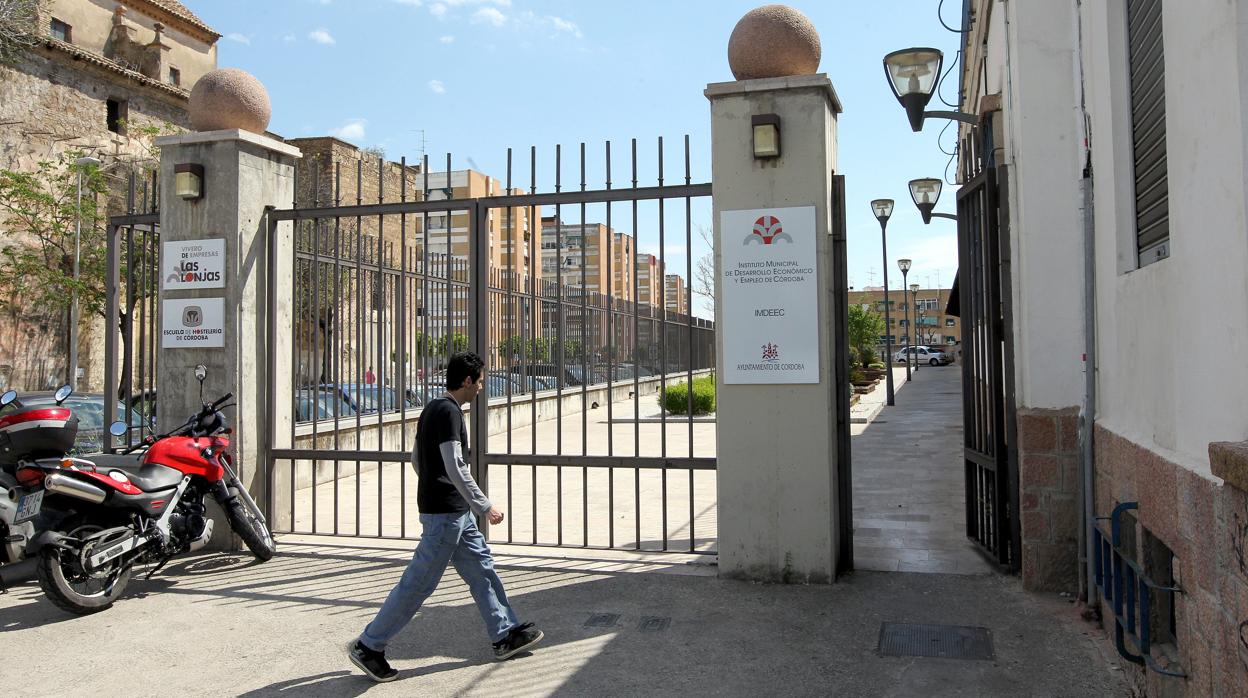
[[478, 286], [141, 228]]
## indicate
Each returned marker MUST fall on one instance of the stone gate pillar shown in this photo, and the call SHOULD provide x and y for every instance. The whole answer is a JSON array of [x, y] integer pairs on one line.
[[215, 268], [773, 135]]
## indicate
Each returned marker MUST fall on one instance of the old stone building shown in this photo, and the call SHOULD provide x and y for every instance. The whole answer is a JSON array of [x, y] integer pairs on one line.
[[101, 79]]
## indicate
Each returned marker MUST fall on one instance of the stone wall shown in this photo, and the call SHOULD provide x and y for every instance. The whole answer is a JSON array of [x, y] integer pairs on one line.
[[1205, 525], [52, 103], [1048, 456]]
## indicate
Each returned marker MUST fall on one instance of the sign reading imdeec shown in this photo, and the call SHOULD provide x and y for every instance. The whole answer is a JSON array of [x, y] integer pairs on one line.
[[770, 295], [188, 264], [189, 323]]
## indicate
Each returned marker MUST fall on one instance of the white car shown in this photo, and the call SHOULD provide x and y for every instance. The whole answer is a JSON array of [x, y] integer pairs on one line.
[[926, 355]]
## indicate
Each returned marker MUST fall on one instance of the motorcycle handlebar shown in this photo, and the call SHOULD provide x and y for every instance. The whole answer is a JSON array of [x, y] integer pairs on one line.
[[222, 401]]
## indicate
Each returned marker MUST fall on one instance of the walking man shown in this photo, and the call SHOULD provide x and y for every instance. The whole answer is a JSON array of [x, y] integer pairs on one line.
[[448, 499]]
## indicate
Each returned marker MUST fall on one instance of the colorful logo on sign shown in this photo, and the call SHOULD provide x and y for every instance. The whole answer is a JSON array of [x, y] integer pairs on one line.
[[771, 353], [767, 229]]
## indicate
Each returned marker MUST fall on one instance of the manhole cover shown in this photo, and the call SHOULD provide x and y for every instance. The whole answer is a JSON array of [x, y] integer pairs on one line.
[[944, 641], [653, 624], [602, 620]]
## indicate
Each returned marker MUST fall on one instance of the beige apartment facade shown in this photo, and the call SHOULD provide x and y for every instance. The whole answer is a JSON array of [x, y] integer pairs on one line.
[[924, 312], [675, 294]]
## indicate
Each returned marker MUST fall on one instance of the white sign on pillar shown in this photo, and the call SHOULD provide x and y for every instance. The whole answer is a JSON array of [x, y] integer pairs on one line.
[[769, 293], [193, 264], [195, 323]]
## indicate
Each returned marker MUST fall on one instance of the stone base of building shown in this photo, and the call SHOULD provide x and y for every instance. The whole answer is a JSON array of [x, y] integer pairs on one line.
[[1048, 457], [1194, 531]]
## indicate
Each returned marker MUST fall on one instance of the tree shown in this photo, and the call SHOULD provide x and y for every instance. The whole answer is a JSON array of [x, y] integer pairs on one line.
[[40, 213], [452, 343], [704, 272], [865, 328], [18, 22], [536, 349]]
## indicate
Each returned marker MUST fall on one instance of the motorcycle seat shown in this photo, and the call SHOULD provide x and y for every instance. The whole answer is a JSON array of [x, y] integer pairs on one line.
[[149, 477]]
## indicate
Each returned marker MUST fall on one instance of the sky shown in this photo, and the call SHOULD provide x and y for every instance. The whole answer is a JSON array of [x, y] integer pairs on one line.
[[476, 77]]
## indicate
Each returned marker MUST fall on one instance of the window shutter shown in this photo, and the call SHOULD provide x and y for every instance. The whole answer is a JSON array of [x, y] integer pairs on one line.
[[1148, 129]]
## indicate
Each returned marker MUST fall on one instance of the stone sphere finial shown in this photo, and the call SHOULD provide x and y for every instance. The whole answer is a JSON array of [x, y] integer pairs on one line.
[[773, 41], [229, 98]]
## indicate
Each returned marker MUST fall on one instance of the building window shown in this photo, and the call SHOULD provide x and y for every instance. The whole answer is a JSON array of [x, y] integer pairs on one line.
[[117, 112], [61, 31], [950, 322], [175, 77], [1147, 65], [950, 339]]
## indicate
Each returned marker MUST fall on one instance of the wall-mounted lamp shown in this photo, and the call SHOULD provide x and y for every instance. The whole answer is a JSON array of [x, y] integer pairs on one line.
[[766, 136], [925, 193], [188, 181], [914, 74]]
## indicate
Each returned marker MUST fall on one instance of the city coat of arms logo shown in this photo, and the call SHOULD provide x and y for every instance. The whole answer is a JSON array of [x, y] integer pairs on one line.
[[767, 229], [771, 353]]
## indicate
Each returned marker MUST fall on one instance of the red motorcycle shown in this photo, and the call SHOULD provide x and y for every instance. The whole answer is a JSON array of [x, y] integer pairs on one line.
[[146, 508]]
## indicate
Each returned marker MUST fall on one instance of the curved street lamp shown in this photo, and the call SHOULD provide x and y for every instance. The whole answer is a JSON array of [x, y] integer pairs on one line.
[[914, 74], [904, 266], [883, 210], [925, 193]]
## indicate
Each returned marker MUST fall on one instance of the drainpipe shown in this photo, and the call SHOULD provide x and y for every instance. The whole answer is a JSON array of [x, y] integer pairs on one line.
[[1087, 423]]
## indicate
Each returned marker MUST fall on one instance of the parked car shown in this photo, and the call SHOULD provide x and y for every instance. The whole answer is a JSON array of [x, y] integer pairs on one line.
[[570, 377], [322, 402], [924, 355], [89, 409], [370, 398]]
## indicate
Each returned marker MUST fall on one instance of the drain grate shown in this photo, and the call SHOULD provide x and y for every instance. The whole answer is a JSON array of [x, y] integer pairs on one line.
[[943, 641], [602, 620], [654, 624]]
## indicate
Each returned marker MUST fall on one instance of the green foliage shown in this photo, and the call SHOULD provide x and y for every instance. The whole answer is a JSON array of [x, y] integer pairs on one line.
[[867, 357], [856, 375], [19, 20], [451, 344], [537, 349], [571, 349], [675, 400], [39, 215], [865, 328]]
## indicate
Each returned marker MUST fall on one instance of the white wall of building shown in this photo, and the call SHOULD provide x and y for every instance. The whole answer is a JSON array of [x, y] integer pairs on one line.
[[1173, 335]]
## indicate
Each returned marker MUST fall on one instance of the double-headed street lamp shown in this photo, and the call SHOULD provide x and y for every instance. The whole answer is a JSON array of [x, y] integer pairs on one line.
[[81, 164], [883, 209], [904, 266]]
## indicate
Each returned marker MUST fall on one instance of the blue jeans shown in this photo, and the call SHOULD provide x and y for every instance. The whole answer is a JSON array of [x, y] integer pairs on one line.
[[452, 538]]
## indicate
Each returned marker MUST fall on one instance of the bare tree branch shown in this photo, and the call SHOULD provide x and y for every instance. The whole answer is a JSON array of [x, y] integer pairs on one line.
[[19, 20], [704, 270]]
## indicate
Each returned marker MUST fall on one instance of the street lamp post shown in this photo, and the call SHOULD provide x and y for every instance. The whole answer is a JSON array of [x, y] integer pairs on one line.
[[914, 74], [883, 209], [81, 164], [914, 303], [904, 266]]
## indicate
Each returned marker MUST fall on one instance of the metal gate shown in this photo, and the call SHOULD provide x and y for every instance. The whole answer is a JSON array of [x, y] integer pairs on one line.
[[132, 284], [990, 446], [398, 267]]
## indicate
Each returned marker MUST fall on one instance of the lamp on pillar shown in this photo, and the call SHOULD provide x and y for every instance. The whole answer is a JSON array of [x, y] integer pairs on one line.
[[925, 193], [188, 181], [883, 209], [904, 265], [913, 74], [766, 136]]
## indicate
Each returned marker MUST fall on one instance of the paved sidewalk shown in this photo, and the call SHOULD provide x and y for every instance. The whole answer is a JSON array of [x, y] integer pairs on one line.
[[217, 625], [909, 481]]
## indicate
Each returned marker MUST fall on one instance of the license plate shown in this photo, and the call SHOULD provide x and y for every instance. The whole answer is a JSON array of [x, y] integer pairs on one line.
[[28, 507]]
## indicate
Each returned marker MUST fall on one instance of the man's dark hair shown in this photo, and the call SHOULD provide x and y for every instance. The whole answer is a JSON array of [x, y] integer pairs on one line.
[[464, 364]]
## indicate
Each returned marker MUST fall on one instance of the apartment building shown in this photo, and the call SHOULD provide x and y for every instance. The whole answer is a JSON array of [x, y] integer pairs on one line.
[[676, 296], [925, 311]]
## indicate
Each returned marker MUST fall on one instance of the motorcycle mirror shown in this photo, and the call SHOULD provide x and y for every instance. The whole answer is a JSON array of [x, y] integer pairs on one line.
[[8, 398], [201, 372], [118, 428], [63, 392]]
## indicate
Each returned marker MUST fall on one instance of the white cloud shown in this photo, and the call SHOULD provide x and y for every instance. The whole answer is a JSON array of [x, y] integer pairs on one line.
[[489, 15], [447, 39], [564, 25], [457, 3], [321, 36], [289, 38], [437, 87], [238, 38], [351, 130], [413, 3], [438, 10]]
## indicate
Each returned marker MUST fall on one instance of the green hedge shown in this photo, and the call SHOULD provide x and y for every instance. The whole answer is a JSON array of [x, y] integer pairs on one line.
[[675, 400]]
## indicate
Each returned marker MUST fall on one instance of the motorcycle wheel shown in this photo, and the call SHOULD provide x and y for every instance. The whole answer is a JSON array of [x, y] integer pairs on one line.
[[72, 589], [253, 532]]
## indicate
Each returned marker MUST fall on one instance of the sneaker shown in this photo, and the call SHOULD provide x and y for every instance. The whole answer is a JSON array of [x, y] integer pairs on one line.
[[518, 639], [371, 662]]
